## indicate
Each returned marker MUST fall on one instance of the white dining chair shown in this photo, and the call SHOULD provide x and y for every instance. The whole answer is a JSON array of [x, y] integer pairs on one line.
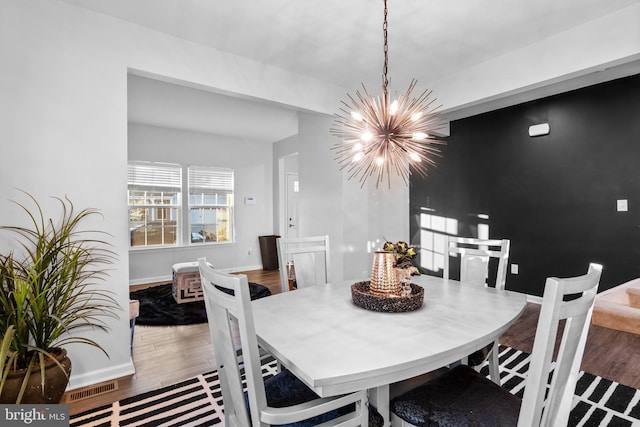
[[462, 396], [310, 258], [281, 399], [474, 257]]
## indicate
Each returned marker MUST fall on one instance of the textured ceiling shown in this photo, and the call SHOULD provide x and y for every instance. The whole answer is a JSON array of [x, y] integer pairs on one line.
[[340, 41]]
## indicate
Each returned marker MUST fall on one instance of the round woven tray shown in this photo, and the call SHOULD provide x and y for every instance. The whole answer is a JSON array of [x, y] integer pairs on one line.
[[389, 304]]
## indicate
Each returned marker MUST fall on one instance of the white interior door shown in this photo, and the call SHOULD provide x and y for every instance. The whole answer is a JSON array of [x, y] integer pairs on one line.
[[291, 205]]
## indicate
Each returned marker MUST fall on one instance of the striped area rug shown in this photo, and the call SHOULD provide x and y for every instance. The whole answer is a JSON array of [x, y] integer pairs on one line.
[[198, 401], [597, 402]]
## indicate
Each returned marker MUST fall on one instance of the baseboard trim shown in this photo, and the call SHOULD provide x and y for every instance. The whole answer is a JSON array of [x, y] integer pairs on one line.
[[100, 376], [145, 280], [168, 278], [245, 268], [534, 299]]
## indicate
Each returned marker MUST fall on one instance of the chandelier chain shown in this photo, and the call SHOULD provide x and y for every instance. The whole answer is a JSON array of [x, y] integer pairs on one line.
[[385, 80]]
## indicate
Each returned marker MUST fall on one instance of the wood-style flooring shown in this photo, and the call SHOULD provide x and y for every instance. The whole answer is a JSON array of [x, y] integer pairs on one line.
[[166, 355]]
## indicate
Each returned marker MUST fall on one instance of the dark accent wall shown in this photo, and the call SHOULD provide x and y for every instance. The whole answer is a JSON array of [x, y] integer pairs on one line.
[[553, 196]]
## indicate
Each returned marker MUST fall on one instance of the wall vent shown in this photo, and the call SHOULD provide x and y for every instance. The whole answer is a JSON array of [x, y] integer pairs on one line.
[[91, 391]]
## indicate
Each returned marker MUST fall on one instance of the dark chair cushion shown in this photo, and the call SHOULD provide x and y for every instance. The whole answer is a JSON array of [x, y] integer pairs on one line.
[[479, 356], [375, 419], [257, 291], [285, 389], [459, 397]]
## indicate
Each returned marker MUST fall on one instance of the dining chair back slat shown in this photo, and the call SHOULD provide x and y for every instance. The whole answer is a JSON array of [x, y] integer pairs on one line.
[[222, 311], [475, 256], [310, 257], [576, 313]]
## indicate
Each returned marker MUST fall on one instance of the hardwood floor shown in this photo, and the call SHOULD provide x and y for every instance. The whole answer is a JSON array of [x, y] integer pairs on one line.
[[166, 355], [611, 354]]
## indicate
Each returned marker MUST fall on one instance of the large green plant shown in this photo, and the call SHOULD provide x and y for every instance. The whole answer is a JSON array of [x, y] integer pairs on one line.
[[50, 286]]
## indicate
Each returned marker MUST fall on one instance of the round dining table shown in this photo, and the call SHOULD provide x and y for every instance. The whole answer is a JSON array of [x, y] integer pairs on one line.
[[337, 347]]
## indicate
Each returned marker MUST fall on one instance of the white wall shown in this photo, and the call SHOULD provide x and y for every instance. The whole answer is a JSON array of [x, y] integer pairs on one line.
[[285, 159], [64, 132], [252, 175]]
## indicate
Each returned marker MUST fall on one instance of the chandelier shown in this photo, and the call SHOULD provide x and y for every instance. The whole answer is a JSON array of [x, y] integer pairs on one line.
[[380, 136]]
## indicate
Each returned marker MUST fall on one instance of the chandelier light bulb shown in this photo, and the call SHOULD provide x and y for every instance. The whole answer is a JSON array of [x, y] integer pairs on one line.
[[380, 161], [357, 147], [356, 116], [416, 116], [419, 136], [415, 157], [394, 108], [358, 156], [367, 136]]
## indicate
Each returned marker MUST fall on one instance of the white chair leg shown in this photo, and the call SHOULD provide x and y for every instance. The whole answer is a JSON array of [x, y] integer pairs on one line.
[[364, 412], [494, 371]]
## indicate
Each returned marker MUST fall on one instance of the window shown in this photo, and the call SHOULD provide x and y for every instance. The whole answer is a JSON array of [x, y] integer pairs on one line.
[[157, 208], [210, 204], [154, 203]]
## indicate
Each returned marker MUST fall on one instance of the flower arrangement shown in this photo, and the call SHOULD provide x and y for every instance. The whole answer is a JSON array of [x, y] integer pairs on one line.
[[404, 254]]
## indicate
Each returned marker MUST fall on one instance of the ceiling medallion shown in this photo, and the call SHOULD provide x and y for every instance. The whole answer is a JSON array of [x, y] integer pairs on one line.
[[380, 136]]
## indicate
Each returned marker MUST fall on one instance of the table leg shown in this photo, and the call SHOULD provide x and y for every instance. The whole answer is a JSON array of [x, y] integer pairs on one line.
[[379, 397]]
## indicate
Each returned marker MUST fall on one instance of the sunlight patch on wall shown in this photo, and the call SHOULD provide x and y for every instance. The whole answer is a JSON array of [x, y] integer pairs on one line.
[[483, 228], [433, 229]]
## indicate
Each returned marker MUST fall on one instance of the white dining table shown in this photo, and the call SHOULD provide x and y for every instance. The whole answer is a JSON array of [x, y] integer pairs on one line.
[[336, 347]]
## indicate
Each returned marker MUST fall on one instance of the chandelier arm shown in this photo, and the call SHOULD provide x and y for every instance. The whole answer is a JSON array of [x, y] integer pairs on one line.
[[426, 106], [401, 169]]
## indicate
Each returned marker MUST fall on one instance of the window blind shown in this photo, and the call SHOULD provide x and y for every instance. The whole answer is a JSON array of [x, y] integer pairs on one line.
[[205, 180], [160, 176]]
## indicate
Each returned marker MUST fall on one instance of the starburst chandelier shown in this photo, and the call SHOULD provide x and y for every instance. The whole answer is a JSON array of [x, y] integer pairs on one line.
[[380, 135]]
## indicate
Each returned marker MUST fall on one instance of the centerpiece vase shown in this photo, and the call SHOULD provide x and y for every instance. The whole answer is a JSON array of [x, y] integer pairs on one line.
[[384, 280]]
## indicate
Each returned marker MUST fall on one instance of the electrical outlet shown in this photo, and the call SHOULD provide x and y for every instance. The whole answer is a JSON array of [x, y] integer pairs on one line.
[[622, 205], [514, 268]]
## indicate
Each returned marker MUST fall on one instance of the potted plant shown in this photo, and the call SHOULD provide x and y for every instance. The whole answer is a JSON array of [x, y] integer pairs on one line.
[[404, 255], [48, 293]]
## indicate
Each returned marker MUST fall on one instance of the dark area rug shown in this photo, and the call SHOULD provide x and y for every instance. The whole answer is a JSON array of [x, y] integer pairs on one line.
[[159, 308]]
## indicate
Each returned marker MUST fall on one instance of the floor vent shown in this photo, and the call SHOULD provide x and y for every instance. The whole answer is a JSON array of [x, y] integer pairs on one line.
[[91, 391]]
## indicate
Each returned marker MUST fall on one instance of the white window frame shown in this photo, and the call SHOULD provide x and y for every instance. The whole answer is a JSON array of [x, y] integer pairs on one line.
[[210, 191], [159, 186], [214, 185]]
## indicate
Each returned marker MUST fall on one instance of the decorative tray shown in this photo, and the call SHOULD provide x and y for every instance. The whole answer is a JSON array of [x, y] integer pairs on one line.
[[362, 297]]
